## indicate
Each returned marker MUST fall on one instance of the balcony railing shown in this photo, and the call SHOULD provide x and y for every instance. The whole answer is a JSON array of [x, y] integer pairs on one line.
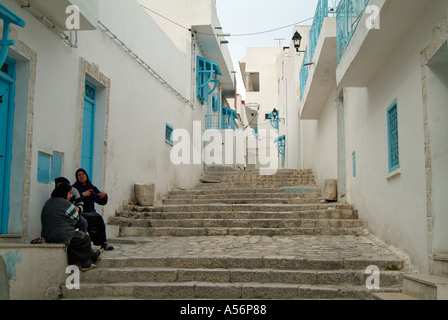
[[348, 15], [322, 12], [304, 74]]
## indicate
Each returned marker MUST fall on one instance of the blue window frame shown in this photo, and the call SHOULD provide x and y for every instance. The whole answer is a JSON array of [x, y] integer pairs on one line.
[[228, 117], [393, 143], [207, 71], [281, 147], [169, 134], [354, 164]]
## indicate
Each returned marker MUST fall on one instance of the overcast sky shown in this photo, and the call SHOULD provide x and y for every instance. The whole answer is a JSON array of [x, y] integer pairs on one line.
[[253, 16]]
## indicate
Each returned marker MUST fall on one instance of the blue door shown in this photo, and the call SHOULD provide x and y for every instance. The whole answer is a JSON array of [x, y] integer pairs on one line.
[[6, 112], [88, 129]]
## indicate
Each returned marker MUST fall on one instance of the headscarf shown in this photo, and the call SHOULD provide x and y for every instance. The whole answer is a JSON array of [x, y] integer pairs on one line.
[[89, 205], [61, 191], [81, 187]]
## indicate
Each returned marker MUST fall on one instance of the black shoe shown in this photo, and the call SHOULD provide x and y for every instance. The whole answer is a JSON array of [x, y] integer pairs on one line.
[[97, 255], [107, 246], [86, 266]]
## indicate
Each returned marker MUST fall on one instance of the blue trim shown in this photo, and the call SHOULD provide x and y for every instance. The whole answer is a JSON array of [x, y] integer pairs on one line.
[[348, 15], [11, 78], [207, 71], [281, 147], [392, 135], [354, 164], [8, 17], [228, 117], [319, 17], [304, 72], [88, 130]]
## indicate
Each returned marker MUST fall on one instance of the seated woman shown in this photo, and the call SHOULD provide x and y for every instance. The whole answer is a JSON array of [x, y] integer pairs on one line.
[[59, 218], [92, 195]]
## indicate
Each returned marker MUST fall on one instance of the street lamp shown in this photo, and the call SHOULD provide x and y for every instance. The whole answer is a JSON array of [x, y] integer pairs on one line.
[[297, 38]]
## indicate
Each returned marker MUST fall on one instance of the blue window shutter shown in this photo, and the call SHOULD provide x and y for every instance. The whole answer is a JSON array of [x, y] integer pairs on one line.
[[393, 143], [43, 168], [169, 134], [56, 166]]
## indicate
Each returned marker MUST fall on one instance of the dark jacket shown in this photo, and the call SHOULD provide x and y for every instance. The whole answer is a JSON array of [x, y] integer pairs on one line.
[[58, 218], [89, 202]]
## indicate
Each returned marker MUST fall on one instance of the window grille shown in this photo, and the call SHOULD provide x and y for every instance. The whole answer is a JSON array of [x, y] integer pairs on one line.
[[169, 134], [392, 127]]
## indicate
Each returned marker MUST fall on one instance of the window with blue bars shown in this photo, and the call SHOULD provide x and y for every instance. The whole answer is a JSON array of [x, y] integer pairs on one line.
[[207, 72], [169, 134], [393, 144], [228, 117], [281, 147]]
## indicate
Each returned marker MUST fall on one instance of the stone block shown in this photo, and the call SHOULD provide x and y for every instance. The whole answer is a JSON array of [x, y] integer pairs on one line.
[[144, 194], [331, 190]]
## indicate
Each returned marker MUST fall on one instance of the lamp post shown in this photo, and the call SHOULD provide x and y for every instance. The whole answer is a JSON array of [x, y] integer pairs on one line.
[[8, 17]]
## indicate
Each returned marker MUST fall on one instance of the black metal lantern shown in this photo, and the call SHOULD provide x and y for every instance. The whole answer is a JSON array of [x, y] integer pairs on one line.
[[274, 113], [297, 40]]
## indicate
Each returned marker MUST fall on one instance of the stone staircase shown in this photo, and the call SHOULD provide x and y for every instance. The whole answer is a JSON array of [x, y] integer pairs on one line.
[[256, 216], [423, 286], [243, 203]]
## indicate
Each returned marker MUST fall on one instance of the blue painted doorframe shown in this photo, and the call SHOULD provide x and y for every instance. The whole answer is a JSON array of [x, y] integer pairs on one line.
[[7, 92], [88, 129]]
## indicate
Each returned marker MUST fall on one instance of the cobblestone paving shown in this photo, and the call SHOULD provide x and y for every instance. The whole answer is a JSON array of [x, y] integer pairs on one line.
[[308, 247]]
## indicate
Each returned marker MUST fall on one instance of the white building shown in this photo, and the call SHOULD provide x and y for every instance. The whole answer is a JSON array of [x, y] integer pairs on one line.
[[373, 115], [137, 79]]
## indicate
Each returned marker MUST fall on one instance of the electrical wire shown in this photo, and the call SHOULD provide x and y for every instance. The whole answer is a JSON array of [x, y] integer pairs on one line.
[[231, 35]]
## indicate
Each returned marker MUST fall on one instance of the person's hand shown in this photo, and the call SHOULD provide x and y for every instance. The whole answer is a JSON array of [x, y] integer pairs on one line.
[[102, 195], [87, 193]]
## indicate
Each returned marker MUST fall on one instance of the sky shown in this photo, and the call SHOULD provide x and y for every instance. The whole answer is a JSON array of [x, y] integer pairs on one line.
[[254, 16]]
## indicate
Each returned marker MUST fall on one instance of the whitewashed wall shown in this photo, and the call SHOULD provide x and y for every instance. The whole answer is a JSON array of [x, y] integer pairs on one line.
[[139, 105]]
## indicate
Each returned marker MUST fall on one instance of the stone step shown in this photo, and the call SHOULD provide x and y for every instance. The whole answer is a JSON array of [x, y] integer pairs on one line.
[[303, 214], [440, 265], [237, 200], [208, 290], [168, 274], [425, 286], [256, 184], [287, 191], [236, 223], [220, 231], [271, 262], [216, 207], [392, 296]]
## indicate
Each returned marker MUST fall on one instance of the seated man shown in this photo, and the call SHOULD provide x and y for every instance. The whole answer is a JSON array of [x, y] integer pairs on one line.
[[76, 200], [92, 195]]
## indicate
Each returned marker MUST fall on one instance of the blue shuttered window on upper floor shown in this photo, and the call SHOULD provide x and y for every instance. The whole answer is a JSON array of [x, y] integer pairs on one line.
[[169, 134], [393, 143], [228, 117], [207, 72]]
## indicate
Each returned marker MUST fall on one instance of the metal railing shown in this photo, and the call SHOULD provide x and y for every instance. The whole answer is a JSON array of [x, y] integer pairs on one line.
[[348, 15], [304, 74]]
